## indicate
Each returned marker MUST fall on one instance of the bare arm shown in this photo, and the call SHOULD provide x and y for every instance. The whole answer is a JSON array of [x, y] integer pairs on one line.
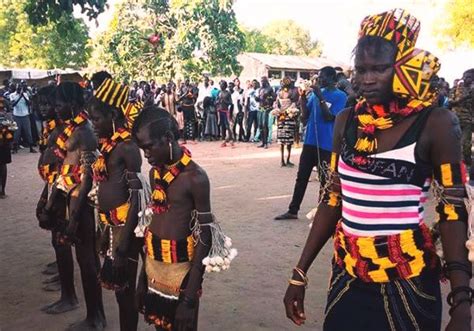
[[86, 143], [327, 216], [324, 225], [445, 149], [200, 190], [133, 162]]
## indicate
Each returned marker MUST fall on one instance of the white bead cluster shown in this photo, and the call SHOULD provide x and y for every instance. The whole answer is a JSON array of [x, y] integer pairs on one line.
[[217, 261]]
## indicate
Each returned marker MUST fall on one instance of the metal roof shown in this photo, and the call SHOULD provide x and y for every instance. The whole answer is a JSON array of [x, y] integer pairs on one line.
[[294, 62]]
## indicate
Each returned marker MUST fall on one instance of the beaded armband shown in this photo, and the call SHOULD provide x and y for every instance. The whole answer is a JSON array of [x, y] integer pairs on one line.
[[450, 191], [331, 192]]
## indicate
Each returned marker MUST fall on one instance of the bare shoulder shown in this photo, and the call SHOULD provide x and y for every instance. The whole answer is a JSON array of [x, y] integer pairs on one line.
[[84, 138], [128, 148], [198, 175], [343, 115], [442, 122]]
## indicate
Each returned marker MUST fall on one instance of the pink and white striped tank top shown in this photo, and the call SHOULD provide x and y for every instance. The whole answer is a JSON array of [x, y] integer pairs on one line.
[[387, 195]]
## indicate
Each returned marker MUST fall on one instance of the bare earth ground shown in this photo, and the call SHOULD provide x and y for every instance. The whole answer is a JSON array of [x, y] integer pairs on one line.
[[248, 189]]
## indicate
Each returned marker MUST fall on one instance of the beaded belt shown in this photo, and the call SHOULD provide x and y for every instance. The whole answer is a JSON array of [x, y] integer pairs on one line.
[[115, 217], [169, 251], [385, 258]]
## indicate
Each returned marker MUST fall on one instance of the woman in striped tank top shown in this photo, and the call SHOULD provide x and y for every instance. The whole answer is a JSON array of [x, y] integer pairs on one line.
[[387, 151]]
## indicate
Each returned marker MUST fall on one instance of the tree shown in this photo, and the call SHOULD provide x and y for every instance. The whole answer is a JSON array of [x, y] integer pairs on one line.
[[44, 11], [60, 44], [283, 37], [456, 27], [161, 39]]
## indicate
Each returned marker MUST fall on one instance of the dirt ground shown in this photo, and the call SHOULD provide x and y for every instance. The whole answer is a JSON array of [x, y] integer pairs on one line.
[[248, 189]]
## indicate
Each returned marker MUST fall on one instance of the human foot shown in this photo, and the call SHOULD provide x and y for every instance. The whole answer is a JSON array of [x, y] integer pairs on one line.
[[88, 324], [52, 279], [50, 269], [61, 306], [289, 164], [52, 287], [286, 216], [282, 164]]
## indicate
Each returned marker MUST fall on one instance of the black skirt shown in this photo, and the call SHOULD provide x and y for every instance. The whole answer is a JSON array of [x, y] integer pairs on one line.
[[5, 154]]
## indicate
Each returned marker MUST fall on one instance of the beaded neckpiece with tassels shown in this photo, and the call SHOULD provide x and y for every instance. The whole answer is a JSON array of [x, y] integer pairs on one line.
[[71, 126], [48, 128], [379, 117], [99, 168], [159, 203]]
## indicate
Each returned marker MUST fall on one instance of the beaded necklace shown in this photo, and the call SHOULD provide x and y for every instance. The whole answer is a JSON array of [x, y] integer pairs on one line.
[[48, 128], [99, 168], [159, 203], [379, 117], [71, 126]]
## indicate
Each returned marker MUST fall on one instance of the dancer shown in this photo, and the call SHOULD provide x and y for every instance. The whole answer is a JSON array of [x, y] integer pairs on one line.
[[76, 146], [48, 167], [116, 174], [386, 151], [286, 114], [173, 269]]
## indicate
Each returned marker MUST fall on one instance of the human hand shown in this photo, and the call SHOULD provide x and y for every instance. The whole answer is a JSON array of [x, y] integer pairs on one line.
[[44, 218], [68, 237], [294, 304], [460, 318], [40, 206], [185, 317]]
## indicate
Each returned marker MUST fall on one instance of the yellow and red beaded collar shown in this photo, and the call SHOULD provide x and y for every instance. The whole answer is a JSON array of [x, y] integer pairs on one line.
[[159, 202]]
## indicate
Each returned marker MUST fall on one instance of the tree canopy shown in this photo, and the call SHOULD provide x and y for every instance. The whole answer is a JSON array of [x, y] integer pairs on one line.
[[283, 37], [44, 11], [145, 40], [58, 44], [456, 27]]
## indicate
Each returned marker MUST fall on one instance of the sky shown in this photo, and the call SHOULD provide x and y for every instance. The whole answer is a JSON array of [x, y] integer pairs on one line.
[[336, 22]]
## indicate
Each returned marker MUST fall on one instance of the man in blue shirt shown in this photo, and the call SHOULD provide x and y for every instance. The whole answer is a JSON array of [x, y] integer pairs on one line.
[[319, 109], [20, 101]]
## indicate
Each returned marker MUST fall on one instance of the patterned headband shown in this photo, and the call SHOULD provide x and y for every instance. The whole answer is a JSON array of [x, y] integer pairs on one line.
[[112, 93], [396, 25], [131, 112], [413, 73]]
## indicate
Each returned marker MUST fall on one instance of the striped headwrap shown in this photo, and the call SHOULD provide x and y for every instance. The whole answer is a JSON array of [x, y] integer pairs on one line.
[[112, 93]]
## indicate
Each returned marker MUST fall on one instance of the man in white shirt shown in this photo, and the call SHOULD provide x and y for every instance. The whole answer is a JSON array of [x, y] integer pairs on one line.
[[20, 102], [237, 111]]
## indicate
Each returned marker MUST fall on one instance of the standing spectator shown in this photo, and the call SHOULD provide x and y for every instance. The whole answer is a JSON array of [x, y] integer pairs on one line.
[[286, 112], [210, 112], [321, 108], [6, 138], [187, 101], [462, 104], [253, 108], [238, 110], [223, 105], [266, 98], [20, 102]]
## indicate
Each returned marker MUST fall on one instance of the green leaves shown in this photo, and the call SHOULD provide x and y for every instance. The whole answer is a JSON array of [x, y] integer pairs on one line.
[[283, 37], [44, 11], [196, 36], [59, 44]]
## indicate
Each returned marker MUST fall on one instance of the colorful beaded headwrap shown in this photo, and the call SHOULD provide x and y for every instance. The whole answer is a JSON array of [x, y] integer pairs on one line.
[[112, 93], [131, 112], [414, 69]]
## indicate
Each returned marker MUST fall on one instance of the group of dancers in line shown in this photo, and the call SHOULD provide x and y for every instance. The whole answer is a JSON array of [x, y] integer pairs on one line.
[[387, 151], [91, 165]]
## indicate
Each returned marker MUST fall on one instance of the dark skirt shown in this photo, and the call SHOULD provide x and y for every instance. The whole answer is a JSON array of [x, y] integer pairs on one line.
[[5, 154], [402, 304], [286, 131]]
